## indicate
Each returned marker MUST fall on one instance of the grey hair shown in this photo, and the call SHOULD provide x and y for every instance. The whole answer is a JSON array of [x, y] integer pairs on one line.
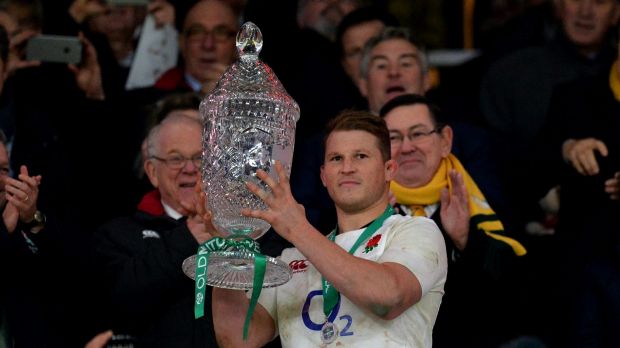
[[390, 33], [153, 138]]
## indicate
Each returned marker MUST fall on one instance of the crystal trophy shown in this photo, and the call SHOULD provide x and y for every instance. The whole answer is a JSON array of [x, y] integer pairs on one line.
[[249, 122]]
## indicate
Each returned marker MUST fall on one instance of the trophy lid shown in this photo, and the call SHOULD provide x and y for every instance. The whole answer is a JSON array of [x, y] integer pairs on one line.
[[248, 79]]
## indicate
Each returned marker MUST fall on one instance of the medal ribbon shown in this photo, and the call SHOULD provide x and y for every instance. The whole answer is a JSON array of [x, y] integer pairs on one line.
[[331, 295], [202, 263]]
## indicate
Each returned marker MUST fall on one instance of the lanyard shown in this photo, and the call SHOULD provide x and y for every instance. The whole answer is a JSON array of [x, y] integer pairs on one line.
[[330, 295]]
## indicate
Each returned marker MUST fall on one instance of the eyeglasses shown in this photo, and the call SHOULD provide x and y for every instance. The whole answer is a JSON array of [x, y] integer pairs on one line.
[[197, 33], [178, 162], [396, 138]]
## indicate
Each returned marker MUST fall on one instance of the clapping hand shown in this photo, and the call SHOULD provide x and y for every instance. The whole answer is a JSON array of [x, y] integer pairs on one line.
[[455, 210], [22, 195]]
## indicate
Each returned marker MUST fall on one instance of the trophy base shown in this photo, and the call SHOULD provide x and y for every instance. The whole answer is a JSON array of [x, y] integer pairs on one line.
[[235, 270]]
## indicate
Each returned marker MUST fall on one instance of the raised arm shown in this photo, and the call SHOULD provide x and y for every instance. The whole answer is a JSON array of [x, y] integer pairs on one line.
[[230, 306]]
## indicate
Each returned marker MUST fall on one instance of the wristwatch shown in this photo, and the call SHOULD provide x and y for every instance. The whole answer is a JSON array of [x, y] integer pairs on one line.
[[37, 222]]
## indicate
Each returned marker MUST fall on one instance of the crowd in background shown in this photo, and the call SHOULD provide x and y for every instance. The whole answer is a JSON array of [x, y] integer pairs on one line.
[[535, 114]]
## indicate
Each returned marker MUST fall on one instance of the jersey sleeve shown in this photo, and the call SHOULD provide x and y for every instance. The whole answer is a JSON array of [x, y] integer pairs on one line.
[[417, 244]]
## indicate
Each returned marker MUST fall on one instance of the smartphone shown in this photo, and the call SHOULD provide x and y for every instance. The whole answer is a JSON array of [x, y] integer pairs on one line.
[[54, 48], [128, 2]]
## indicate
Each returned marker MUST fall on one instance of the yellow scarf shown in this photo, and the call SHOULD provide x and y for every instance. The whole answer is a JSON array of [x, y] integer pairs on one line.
[[479, 210], [614, 81]]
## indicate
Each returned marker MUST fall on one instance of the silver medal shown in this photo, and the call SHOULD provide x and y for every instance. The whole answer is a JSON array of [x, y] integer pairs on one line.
[[329, 332]]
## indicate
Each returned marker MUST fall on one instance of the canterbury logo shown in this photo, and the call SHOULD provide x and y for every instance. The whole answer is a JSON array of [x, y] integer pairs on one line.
[[149, 234], [298, 265]]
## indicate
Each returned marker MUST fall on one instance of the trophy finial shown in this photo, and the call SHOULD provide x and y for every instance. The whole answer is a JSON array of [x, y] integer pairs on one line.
[[249, 41]]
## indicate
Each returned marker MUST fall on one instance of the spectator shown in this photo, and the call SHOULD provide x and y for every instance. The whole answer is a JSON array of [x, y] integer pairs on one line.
[[207, 45], [584, 160], [355, 29], [17, 36], [20, 240], [432, 182], [80, 139], [22, 309], [185, 103], [517, 89], [394, 64], [149, 296]]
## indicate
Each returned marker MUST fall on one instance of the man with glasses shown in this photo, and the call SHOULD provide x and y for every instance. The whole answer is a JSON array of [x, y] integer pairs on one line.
[[432, 182], [207, 44], [141, 256]]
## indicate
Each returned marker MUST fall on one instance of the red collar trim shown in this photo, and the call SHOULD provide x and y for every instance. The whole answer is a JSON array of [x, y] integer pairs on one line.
[[151, 204], [172, 79]]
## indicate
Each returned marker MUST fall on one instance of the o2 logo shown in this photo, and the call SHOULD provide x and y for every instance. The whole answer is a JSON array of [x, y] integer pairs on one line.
[[305, 316]]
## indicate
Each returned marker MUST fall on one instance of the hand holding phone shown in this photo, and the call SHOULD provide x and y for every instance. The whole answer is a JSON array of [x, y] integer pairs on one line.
[[17, 52], [88, 72]]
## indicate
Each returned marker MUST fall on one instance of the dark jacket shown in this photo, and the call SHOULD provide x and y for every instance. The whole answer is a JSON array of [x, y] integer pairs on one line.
[[580, 259], [588, 222], [29, 295], [148, 294], [481, 279]]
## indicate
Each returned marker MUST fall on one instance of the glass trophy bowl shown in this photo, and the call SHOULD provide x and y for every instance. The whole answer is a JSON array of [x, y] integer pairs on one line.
[[248, 124]]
